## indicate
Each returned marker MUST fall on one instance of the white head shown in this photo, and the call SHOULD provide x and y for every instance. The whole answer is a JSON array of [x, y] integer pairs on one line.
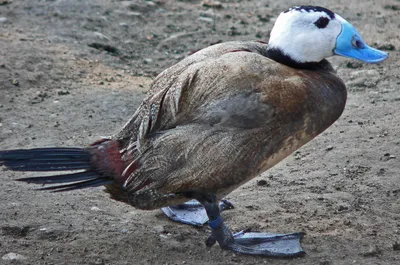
[[312, 33]]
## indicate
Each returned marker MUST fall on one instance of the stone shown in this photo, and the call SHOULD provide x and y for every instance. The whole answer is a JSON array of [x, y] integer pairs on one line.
[[13, 256]]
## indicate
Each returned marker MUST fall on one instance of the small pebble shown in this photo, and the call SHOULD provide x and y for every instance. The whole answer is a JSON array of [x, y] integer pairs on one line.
[[211, 3], [387, 157], [372, 251], [262, 182], [13, 256], [396, 246], [94, 208], [101, 36], [206, 19], [3, 19], [329, 147]]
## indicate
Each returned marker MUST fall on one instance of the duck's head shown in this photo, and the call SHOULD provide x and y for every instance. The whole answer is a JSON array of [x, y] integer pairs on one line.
[[309, 34]]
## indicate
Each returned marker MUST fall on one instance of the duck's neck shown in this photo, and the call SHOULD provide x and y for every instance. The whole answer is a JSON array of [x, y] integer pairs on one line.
[[277, 55]]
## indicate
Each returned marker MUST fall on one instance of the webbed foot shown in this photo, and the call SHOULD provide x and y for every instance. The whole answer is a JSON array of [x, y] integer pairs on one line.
[[266, 244], [273, 245], [192, 212]]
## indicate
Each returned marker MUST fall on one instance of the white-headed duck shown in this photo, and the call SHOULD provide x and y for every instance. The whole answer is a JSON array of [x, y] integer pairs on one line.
[[216, 120]]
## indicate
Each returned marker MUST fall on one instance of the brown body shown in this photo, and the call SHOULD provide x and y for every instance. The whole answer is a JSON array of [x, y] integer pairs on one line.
[[218, 119]]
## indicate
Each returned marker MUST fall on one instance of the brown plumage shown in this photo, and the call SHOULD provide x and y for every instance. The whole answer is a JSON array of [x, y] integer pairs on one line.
[[219, 118]]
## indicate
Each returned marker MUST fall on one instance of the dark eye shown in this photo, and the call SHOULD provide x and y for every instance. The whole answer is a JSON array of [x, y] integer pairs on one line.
[[322, 22], [357, 43]]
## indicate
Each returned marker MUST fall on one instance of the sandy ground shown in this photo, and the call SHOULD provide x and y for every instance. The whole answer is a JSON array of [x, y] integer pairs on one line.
[[72, 71]]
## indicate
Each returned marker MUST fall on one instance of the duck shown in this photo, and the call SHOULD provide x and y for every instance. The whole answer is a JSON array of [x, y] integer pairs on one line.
[[214, 121]]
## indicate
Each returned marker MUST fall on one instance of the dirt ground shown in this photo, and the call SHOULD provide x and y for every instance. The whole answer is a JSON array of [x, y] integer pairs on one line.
[[72, 71]]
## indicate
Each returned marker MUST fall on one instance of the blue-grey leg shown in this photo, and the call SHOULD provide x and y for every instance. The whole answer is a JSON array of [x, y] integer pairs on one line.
[[192, 212]]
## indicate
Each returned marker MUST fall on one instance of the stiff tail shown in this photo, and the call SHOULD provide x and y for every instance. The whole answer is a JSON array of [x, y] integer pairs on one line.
[[57, 159]]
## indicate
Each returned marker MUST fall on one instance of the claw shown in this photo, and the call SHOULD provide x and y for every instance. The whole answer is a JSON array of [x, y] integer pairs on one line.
[[211, 241], [225, 205]]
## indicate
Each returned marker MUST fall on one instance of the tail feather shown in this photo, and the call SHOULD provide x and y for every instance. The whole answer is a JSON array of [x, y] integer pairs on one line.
[[45, 150], [56, 159], [46, 159], [67, 178], [46, 165], [79, 185]]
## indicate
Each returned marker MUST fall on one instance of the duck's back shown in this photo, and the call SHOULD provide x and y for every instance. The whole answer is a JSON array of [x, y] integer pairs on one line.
[[220, 117]]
